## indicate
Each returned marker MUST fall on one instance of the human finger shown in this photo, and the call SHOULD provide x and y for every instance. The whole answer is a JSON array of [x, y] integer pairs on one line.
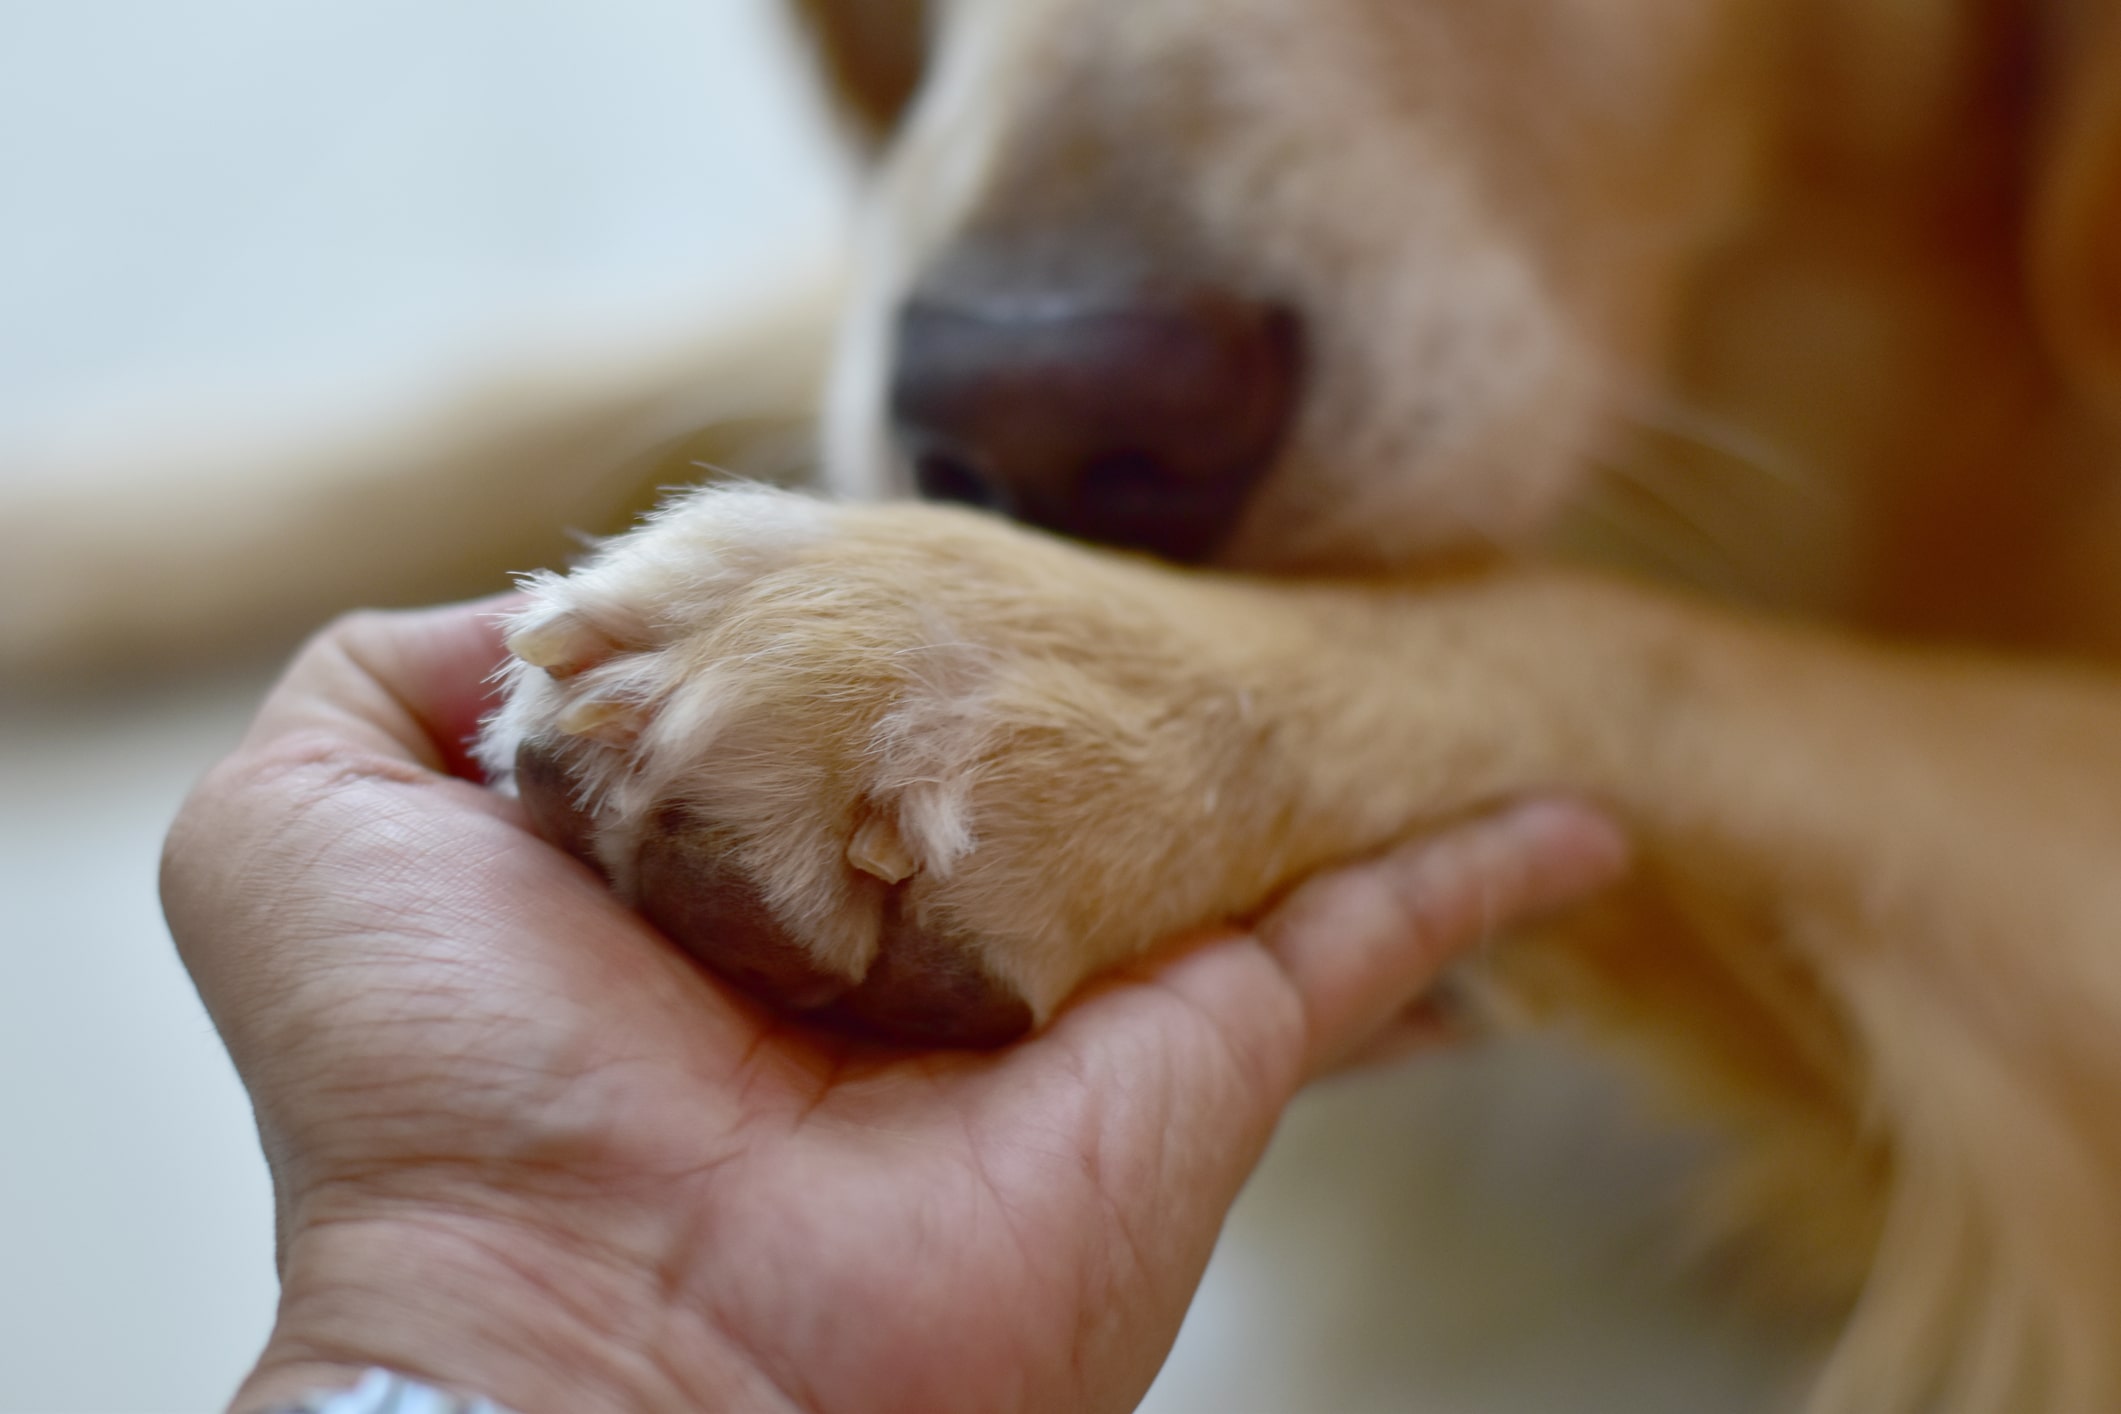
[[1361, 944], [409, 683]]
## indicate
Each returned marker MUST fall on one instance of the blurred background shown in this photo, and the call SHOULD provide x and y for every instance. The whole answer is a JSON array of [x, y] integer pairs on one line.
[[235, 229]]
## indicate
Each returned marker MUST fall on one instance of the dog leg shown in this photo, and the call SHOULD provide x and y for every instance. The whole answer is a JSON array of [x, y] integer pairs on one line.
[[232, 544], [994, 720]]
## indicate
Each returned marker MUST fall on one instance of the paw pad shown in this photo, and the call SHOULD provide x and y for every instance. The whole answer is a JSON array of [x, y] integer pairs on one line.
[[921, 988]]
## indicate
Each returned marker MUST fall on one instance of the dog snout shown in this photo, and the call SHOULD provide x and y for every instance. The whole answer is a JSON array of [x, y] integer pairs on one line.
[[1141, 421]]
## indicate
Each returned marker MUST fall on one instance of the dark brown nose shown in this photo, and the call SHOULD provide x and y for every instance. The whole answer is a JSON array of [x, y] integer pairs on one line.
[[1143, 422]]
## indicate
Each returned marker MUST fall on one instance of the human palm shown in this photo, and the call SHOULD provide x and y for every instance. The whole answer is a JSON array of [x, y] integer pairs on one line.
[[521, 1143]]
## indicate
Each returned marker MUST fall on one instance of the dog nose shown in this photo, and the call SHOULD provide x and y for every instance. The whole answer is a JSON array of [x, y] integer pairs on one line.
[[1141, 422]]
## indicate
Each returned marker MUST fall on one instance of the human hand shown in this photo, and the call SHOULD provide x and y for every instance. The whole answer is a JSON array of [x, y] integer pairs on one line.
[[523, 1146]]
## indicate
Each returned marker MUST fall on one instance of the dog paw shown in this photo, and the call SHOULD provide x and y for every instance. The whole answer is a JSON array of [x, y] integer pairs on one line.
[[908, 767]]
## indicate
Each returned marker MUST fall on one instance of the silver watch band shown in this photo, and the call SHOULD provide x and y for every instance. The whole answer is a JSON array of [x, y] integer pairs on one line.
[[381, 1392]]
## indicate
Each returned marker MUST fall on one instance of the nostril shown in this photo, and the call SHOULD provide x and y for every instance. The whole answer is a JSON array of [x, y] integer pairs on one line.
[[943, 476]]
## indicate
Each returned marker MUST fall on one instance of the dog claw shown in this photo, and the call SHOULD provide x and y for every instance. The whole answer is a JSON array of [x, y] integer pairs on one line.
[[563, 645], [879, 851], [612, 722]]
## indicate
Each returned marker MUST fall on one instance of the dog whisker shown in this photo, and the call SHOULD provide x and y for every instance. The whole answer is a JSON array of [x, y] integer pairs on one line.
[[1611, 524]]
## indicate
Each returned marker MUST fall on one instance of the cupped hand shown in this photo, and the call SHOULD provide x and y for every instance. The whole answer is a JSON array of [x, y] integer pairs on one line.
[[523, 1146]]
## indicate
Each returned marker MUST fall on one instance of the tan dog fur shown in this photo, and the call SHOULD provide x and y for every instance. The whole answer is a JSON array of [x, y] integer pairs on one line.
[[1811, 305]]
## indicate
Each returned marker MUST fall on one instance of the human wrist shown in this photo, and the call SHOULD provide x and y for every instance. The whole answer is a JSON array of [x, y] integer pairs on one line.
[[481, 1306]]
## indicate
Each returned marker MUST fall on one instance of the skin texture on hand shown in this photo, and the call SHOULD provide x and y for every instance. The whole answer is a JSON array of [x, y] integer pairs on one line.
[[523, 1146]]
